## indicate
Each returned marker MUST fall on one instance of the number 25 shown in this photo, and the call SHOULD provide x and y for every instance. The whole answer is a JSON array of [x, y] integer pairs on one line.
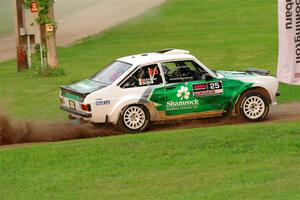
[[214, 86]]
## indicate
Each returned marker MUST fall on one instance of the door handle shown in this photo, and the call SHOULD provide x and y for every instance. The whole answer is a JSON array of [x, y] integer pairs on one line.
[[170, 87]]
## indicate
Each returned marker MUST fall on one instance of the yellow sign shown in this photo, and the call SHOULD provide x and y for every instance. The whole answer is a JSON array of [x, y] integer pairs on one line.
[[49, 28]]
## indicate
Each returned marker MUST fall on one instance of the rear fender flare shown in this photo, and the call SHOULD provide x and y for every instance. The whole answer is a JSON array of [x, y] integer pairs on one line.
[[122, 103]]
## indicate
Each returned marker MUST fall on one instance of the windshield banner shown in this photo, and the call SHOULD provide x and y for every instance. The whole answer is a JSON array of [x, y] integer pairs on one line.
[[288, 70]]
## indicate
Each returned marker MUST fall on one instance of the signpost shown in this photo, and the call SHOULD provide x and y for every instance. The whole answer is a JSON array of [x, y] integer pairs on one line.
[[21, 41], [29, 31]]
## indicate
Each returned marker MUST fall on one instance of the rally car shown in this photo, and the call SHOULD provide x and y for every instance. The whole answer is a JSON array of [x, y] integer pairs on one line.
[[169, 84]]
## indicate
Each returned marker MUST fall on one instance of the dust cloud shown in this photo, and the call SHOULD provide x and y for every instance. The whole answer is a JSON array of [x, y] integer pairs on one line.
[[13, 132]]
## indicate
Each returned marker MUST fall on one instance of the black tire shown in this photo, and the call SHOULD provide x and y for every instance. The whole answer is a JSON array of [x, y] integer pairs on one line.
[[253, 106], [134, 119]]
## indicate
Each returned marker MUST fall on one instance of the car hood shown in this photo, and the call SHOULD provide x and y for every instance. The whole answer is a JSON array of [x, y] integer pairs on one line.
[[236, 74], [86, 86]]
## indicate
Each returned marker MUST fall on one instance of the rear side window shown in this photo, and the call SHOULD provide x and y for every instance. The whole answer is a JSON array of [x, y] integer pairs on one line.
[[111, 73], [144, 76]]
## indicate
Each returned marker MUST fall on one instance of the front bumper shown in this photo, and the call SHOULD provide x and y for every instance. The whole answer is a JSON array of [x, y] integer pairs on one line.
[[76, 112]]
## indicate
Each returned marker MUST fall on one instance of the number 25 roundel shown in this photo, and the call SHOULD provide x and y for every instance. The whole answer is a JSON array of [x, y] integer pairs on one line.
[[207, 89]]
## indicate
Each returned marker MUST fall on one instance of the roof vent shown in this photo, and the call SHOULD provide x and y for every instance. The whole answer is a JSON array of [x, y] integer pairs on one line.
[[173, 51]]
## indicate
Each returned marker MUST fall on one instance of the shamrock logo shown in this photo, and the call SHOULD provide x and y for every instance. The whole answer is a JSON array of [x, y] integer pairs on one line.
[[183, 93]]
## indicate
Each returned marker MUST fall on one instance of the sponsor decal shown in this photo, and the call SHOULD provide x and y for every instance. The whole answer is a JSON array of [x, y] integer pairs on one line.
[[184, 103], [207, 89], [141, 81], [183, 93], [152, 73], [146, 81], [102, 102], [200, 87]]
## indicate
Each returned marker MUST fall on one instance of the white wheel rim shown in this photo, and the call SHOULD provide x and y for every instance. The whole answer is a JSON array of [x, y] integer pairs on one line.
[[254, 107], [134, 117]]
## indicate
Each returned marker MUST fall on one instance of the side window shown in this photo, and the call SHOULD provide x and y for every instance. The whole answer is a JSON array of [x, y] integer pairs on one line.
[[180, 71], [144, 76]]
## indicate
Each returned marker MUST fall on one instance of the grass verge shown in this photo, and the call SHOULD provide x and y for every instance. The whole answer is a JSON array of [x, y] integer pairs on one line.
[[254, 161], [229, 35]]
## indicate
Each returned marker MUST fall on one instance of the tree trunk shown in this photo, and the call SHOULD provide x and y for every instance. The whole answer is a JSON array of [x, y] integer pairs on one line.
[[21, 44], [51, 43]]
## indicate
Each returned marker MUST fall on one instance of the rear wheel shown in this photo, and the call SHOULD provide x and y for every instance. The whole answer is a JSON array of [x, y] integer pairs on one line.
[[253, 106], [134, 119]]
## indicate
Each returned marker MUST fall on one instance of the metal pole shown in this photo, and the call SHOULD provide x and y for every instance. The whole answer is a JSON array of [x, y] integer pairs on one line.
[[40, 41], [42, 57], [28, 51]]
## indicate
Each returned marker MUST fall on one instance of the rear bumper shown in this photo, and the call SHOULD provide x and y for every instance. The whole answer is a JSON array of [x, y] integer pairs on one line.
[[75, 112]]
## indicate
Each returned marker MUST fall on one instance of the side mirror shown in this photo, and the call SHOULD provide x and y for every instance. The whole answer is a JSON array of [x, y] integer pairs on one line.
[[207, 76]]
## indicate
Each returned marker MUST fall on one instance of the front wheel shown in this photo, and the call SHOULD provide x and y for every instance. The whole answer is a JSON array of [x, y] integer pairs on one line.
[[134, 119], [253, 106]]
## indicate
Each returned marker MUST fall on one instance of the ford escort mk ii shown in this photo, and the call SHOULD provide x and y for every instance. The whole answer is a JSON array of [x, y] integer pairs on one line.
[[170, 84]]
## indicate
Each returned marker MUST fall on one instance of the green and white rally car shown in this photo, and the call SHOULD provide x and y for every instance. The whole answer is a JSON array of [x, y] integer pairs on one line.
[[169, 84]]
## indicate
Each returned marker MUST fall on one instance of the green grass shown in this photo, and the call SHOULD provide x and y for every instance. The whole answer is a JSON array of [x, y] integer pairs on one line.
[[255, 161], [222, 34]]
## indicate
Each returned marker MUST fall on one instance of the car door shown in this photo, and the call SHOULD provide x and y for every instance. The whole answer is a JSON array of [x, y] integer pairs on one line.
[[188, 91], [141, 83]]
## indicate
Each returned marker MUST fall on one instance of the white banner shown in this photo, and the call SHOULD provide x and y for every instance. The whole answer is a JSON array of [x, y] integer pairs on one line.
[[288, 70]]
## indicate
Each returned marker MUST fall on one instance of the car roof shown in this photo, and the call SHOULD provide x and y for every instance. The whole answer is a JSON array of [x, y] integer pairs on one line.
[[159, 56]]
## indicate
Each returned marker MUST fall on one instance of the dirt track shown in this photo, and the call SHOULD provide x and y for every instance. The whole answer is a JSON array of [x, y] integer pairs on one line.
[[282, 112], [87, 21], [12, 133]]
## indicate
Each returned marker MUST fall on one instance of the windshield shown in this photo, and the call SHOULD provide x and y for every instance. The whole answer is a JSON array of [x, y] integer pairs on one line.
[[111, 73]]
